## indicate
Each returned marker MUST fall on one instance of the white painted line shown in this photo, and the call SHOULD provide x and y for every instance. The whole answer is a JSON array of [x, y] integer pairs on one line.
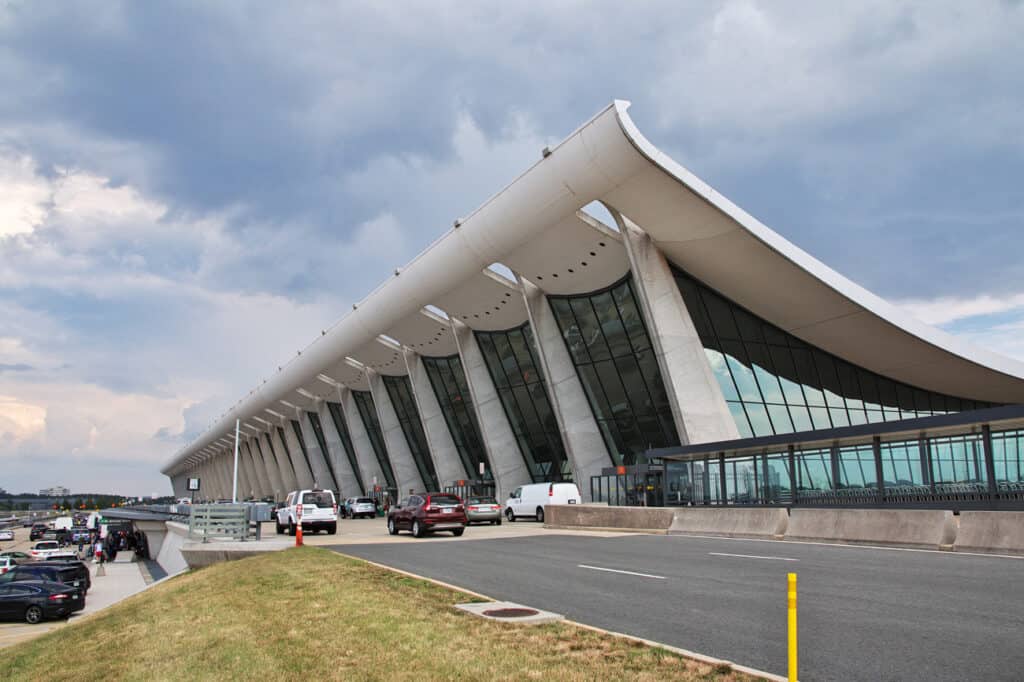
[[615, 570], [843, 545], [753, 556]]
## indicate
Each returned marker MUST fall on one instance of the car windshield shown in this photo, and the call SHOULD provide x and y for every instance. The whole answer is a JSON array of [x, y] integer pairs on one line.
[[364, 500], [323, 499], [443, 499], [46, 545], [481, 500]]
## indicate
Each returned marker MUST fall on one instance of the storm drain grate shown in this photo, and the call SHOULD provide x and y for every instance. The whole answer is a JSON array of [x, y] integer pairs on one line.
[[511, 613]]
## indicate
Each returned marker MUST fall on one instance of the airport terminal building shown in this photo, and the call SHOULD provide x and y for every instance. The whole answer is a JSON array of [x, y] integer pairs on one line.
[[677, 352]]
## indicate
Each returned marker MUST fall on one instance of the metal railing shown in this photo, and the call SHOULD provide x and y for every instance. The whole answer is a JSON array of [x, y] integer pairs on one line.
[[222, 521]]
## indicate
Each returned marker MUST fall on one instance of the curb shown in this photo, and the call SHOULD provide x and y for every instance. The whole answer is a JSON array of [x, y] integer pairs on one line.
[[607, 529], [685, 653]]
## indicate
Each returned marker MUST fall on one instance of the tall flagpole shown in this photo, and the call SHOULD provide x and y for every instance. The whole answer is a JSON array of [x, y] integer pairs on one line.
[[234, 484]]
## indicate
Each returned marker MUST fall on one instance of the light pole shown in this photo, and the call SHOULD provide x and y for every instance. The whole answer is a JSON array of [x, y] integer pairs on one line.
[[234, 483]]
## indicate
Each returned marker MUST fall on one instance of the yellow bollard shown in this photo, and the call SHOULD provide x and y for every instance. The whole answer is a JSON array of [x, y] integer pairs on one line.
[[792, 627]]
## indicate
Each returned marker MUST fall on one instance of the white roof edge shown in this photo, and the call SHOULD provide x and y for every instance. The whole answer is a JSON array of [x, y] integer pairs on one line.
[[852, 291]]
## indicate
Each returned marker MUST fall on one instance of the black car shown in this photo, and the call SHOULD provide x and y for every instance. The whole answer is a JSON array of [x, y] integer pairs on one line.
[[37, 531], [84, 577], [66, 574], [36, 600]]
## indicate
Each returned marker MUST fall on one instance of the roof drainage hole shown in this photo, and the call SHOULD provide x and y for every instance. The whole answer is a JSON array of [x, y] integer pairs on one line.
[[571, 270], [511, 613]]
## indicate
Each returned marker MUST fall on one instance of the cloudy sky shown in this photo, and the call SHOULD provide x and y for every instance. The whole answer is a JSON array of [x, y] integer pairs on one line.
[[189, 192]]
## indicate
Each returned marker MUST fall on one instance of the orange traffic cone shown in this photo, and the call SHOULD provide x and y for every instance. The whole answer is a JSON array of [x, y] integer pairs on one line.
[[298, 535]]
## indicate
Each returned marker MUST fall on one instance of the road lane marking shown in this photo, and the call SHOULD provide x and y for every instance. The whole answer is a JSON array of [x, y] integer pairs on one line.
[[753, 556], [615, 570], [947, 552]]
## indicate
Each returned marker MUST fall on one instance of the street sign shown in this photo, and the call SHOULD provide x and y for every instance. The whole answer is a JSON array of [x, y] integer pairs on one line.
[[193, 484]]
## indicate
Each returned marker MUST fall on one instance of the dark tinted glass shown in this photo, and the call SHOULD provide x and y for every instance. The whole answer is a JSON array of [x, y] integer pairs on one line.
[[449, 383], [775, 383], [368, 415], [512, 363], [341, 426], [444, 499], [318, 433], [610, 347], [400, 391]]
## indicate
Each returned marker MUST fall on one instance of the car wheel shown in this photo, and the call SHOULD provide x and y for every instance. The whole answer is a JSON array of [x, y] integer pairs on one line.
[[332, 529], [279, 527], [458, 532], [540, 514], [417, 529], [510, 515], [291, 529], [33, 615], [392, 528]]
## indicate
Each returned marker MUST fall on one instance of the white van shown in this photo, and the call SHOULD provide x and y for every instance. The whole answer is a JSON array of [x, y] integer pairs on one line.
[[530, 500]]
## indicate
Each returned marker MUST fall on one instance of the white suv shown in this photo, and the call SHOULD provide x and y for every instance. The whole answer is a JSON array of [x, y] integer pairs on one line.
[[314, 509]]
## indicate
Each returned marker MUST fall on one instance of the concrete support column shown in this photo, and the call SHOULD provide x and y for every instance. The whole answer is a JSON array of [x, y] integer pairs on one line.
[[406, 473], [698, 407], [277, 486], [218, 474], [583, 442], [178, 485], [447, 463], [317, 458], [284, 458], [303, 471], [507, 464], [263, 483], [345, 477], [365, 456]]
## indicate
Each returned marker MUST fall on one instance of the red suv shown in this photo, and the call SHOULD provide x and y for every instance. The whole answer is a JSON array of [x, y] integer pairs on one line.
[[426, 513]]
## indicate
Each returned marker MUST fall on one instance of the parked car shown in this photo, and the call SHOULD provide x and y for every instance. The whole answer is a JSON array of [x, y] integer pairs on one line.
[[483, 510], [17, 556], [43, 550], [37, 531], [61, 573], [38, 600], [314, 510], [7, 534], [82, 534], [27, 523], [84, 578], [530, 500], [7, 563], [422, 514], [357, 507]]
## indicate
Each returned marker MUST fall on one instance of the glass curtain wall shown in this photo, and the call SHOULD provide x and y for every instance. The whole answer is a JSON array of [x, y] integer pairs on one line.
[[297, 427], [511, 360], [611, 349], [775, 383], [341, 426], [318, 433], [449, 383], [368, 413], [400, 392]]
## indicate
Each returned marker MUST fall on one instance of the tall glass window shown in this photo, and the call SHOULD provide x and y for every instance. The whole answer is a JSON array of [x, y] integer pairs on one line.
[[449, 383], [1008, 455], [775, 383], [318, 433], [287, 458], [612, 352], [338, 417], [400, 392], [297, 427], [958, 464], [368, 413], [512, 362]]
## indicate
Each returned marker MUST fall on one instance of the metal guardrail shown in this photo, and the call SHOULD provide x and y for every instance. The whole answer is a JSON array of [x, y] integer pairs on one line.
[[222, 521]]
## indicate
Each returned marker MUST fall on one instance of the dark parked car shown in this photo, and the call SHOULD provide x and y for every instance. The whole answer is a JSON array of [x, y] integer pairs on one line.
[[422, 514], [65, 574], [37, 600], [37, 531], [72, 562]]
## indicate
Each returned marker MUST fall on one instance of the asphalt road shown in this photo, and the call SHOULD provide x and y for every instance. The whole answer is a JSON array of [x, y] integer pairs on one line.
[[864, 613]]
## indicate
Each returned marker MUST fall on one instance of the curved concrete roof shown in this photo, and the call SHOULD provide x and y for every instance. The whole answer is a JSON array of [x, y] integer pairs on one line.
[[534, 226]]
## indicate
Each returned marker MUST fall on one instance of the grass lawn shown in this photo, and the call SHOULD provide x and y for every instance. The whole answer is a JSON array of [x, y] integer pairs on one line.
[[310, 614]]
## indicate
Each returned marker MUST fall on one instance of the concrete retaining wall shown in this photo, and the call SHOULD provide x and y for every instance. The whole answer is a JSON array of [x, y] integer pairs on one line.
[[169, 556], [654, 519], [732, 522], [198, 554], [906, 527], [995, 532]]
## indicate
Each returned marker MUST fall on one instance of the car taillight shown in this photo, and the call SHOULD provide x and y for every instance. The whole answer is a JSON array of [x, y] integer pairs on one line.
[[58, 597], [298, 510], [472, 508], [335, 509], [495, 507], [551, 490], [460, 508], [429, 508]]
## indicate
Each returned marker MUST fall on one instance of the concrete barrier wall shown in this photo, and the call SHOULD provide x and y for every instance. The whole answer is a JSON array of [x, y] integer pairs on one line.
[[592, 516], [995, 532], [169, 557], [733, 522], [906, 527]]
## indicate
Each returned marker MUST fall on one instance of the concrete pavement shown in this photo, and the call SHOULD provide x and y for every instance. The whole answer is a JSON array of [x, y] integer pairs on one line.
[[865, 613]]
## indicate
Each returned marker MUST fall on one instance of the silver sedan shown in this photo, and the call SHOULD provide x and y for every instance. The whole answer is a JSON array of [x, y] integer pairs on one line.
[[483, 510]]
